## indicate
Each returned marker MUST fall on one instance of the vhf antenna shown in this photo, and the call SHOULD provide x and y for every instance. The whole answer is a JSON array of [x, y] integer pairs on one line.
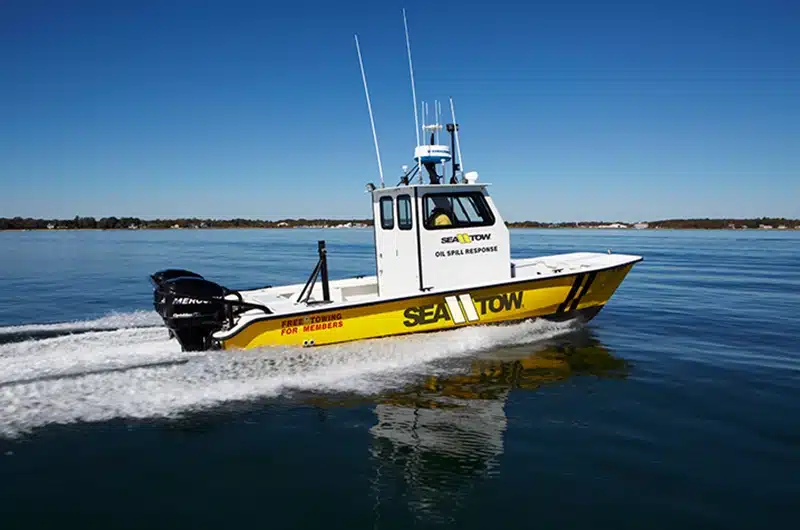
[[369, 107], [413, 88], [458, 144]]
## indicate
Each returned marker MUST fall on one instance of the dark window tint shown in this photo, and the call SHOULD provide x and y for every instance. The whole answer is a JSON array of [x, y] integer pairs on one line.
[[387, 213], [456, 210], [404, 212]]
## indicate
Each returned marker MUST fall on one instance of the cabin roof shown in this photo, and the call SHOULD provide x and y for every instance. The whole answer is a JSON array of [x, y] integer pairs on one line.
[[433, 186]]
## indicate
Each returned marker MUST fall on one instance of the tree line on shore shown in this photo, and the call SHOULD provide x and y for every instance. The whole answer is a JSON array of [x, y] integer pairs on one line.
[[773, 222], [117, 223], [703, 224]]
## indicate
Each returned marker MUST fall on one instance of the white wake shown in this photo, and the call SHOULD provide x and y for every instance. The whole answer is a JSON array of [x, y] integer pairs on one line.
[[100, 375], [136, 319]]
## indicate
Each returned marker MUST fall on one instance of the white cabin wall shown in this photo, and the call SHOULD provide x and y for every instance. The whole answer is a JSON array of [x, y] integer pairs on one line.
[[450, 261], [396, 249]]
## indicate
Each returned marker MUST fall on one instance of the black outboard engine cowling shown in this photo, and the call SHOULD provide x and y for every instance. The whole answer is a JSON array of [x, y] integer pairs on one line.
[[192, 307], [168, 274]]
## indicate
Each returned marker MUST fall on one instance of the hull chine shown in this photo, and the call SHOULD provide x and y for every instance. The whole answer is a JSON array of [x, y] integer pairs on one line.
[[581, 315]]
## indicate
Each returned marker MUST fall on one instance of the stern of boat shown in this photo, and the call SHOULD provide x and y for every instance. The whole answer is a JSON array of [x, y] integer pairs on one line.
[[194, 308], [191, 307]]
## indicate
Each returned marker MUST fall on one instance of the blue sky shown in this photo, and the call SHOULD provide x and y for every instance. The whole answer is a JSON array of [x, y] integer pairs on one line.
[[573, 110]]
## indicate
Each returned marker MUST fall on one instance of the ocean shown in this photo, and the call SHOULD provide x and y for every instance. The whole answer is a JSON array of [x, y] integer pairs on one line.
[[678, 406]]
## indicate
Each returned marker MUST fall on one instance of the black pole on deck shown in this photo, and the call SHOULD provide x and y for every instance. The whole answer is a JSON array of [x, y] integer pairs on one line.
[[323, 259], [451, 128]]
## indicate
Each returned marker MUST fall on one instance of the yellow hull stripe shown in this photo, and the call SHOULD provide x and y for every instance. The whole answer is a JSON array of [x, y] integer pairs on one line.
[[434, 312]]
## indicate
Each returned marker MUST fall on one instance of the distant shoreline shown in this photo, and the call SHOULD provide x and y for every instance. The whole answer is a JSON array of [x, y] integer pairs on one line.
[[132, 223], [510, 226]]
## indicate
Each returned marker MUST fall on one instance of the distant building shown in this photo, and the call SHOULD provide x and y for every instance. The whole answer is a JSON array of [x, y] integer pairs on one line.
[[641, 226]]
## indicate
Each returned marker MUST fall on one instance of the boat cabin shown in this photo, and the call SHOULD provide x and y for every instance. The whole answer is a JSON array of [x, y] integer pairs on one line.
[[438, 236]]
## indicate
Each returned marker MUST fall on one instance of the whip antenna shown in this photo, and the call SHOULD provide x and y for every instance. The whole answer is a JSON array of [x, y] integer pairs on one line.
[[458, 144], [413, 88], [369, 107]]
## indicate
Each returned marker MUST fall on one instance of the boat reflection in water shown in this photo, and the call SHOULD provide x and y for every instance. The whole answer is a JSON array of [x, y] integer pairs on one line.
[[436, 441]]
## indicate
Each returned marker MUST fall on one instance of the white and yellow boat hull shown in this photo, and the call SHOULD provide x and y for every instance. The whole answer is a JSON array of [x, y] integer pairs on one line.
[[578, 295]]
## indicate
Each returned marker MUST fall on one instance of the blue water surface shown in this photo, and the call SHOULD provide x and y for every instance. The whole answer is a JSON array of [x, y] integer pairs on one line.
[[677, 407]]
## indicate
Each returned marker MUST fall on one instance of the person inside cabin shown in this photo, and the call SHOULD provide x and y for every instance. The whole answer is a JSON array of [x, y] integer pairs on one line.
[[442, 213]]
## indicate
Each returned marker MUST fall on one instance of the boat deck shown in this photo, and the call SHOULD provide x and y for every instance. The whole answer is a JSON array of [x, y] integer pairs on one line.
[[364, 289]]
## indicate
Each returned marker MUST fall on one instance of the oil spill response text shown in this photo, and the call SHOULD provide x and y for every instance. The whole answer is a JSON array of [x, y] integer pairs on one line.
[[463, 251]]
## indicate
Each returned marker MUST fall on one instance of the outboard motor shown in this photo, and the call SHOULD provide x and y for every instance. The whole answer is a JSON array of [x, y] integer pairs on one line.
[[192, 307]]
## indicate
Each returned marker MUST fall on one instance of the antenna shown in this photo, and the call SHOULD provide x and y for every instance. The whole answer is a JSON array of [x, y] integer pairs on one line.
[[438, 105], [413, 91], [438, 118], [458, 144], [369, 107], [411, 71]]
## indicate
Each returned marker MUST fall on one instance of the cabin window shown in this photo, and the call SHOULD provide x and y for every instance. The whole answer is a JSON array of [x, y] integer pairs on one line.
[[404, 212], [387, 213], [456, 210]]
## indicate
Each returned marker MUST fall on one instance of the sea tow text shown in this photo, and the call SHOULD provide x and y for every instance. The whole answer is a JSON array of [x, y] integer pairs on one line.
[[311, 323], [431, 313], [502, 302], [466, 238]]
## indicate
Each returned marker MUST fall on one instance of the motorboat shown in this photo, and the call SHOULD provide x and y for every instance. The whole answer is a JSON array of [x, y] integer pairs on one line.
[[442, 261]]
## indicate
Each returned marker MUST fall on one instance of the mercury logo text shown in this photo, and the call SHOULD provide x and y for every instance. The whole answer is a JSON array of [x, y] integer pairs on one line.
[[461, 309], [188, 301]]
